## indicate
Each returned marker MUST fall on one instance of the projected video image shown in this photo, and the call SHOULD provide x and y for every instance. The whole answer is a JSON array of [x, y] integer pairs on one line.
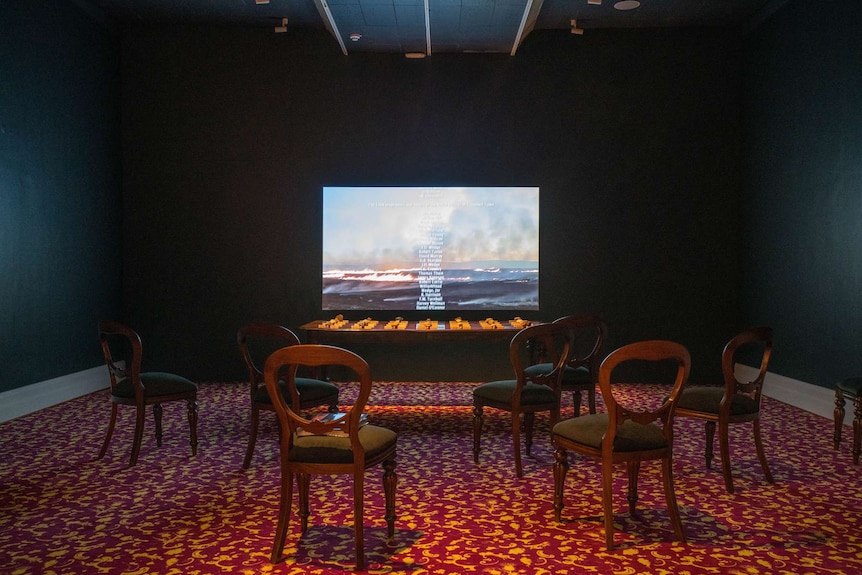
[[428, 249]]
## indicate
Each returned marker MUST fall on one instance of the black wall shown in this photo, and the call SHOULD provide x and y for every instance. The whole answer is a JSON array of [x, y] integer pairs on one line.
[[634, 136], [802, 188], [229, 136], [59, 189]]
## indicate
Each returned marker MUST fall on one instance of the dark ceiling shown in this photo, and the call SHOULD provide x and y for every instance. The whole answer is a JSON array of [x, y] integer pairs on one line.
[[425, 27]]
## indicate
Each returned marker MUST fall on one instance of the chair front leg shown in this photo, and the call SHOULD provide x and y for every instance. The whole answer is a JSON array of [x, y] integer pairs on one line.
[[709, 428], [157, 415], [529, 423], [576, 401], [192, 406], [303, 481], [838, 417], [561, 467], [857, 430], [390, 481], [608, 501], [633, 468], [724, 447], [111, 423], [140, 417], [761, 454], [477, 431], [516, 439], [670, 497], [358, 510], [283, 514], [252, 436]]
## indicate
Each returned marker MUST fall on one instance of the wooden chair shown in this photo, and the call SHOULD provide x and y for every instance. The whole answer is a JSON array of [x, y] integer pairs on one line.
[[850, 388], [587, 335], [122, 349], [344, 445], [734, 402], [528, 393], [256, 340], [625, 434]]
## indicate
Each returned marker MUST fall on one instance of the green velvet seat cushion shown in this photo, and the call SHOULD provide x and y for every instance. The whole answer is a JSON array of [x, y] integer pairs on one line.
[[329, 449], [851, 386], [310, 390], [578, 374], [589, 430], [706, 399], [155, 383], [503, 391]]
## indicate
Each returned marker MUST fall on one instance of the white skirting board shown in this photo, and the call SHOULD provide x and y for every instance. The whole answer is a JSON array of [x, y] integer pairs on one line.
[[812, 398], [23, 400]]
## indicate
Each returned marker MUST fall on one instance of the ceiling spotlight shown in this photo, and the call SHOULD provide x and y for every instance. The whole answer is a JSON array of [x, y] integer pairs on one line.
[[575, 29], [261, 1], [595, 2], [355, 36], [627, 5], [283, 27]]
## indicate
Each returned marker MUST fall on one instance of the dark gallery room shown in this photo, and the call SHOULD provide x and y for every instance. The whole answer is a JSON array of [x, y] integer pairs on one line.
[[225, 222]]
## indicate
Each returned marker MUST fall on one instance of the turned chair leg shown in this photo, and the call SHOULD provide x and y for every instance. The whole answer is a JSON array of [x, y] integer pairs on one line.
[[724, 449], [283, 515], [561, 466], [761, 455], [193, 424], [857, 429], [710, 438], [670, 496], [157, 415], [633, 468], [252, 437], [358, 530], [838, 417], [477, 431], [111, 425], [529, 421], [303, 482], [516, 439], [608, 503], [139, 435], [390, 482]]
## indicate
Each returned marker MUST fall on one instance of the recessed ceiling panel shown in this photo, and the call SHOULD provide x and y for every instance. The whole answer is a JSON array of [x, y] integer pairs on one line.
[[379, 14], [455, 25]]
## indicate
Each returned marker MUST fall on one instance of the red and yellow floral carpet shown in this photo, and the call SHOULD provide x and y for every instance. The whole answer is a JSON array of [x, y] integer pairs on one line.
[[62, 512]]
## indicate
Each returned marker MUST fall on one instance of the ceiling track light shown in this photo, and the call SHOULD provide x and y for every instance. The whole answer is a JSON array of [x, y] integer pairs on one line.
[[575, 29], [283, 27]]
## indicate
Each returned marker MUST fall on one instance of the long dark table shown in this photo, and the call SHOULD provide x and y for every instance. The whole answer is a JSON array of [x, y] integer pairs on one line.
[[386, 331], [458, 362]]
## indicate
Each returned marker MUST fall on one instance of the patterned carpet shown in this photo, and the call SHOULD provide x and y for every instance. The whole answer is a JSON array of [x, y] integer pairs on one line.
[[62, 512]]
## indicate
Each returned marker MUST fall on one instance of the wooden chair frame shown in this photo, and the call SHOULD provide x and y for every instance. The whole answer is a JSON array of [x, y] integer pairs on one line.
[[591, 361], [270, 331], [851, 389], [733, 387], [119, 371], [546, 336], [284, 362], [618, 414]]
